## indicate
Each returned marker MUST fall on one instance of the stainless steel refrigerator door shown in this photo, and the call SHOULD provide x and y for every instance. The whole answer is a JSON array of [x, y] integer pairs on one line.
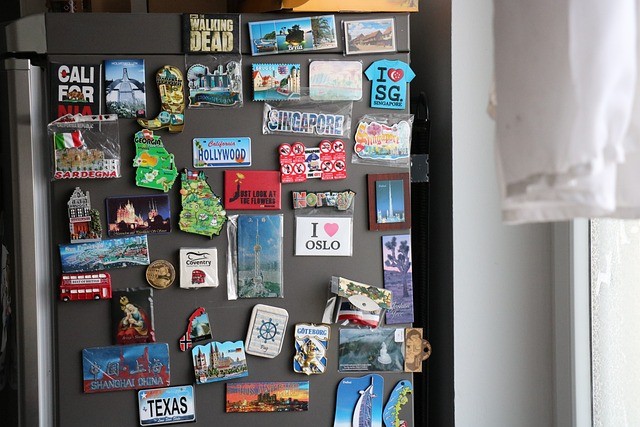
[[24, 119]]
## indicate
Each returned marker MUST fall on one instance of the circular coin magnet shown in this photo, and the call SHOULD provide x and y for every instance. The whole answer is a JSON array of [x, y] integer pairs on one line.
[[160, 274]]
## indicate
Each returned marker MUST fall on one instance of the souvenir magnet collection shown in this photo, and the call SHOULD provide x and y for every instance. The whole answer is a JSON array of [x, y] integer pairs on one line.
[[132, 314], [85, 146], [106, 254], [275, 82], [252, 190], [171, 87], [221, 152], [80, 286], [266, 330], [198, 268], [417, 350], [202, 212], [359, 401], [208, 34], [155, 167], [324, 236], [160, 274], [398, 398], [371, 350], [396, 258], [199, 329], [84, 222], [75, 89], [217, 361], [168, 405], [125, 87], [389, 81], [293, 35], [290, 396], [218, 87], [370, 36], [311, 342], [128, 367], [131, 215], [342, 200], [298, 163], [335, 80], [259, 256]]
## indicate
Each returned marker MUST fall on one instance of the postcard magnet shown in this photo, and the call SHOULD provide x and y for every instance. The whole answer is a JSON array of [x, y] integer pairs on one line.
[[370, 36], [289, 396], [160, 274], [202, 211], [293, 35], [168, 405], [84, 222], [131, 215], [217, 361], [359, 401], [397, 399], [199, 329], [125, 87], [311, 342], [275, 82], [266, 330], [113, 253], [368, 350], [125, 367], [252, 190], [80, 286], [198, 268]]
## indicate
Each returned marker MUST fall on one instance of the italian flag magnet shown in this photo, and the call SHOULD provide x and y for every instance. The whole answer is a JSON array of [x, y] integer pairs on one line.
[[68, 140]]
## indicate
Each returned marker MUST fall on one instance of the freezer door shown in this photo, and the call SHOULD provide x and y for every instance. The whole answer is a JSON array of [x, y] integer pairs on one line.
[[28, 235]]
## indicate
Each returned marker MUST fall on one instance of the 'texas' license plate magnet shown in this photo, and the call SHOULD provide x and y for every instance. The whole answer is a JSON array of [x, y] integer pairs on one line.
[[221, 152], [168, 405]]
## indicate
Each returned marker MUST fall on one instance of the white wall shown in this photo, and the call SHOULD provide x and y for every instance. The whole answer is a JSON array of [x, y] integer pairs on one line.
[[503, 365]]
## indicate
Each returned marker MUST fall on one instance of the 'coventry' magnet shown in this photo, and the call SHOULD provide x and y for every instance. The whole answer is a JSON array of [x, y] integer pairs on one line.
[[221, 152], [198, 268]]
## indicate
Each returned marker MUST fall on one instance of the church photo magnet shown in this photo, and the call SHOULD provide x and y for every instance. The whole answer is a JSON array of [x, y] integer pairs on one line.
[[130, 215]]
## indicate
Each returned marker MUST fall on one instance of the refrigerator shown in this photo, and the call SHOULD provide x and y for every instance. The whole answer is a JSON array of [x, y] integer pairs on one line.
[[51, 334]]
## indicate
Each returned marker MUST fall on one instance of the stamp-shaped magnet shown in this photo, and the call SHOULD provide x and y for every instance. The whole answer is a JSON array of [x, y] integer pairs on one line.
[[311, 342], [266, 330]]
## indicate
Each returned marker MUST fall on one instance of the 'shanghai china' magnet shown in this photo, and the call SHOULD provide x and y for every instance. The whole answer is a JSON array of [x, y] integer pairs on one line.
[[84, 222], [198, 268], [160, 274], [398, 398], [327, 161], [266, 330], [311, 343], [199, 329], [202, 211]]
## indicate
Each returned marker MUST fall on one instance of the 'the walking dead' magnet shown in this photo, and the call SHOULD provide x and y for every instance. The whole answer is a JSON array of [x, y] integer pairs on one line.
[[210, 34]]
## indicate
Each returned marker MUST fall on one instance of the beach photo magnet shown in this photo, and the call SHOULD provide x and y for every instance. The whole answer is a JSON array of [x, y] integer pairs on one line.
[[125, 367], [106, 254], [198, 268], [266, 330], [275, 82], [290, 396], [221, 152], [335, 80], [293, 35], [252, 190], [168, 405], [130, 215], [370, 36], [218, 361], [359, 401], [324, 236]]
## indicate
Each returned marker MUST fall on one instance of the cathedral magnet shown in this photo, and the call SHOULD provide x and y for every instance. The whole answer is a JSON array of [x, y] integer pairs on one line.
[[130, 215]]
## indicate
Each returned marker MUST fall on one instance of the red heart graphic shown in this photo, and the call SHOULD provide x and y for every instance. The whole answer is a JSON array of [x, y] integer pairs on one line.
[[395, 74], [331, 228]]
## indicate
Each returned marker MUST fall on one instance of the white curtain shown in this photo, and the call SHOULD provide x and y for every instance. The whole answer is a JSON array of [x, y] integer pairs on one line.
[[568, 109]]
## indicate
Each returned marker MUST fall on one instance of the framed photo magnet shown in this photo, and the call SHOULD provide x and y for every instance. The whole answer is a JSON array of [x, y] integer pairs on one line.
[[389, 201]]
